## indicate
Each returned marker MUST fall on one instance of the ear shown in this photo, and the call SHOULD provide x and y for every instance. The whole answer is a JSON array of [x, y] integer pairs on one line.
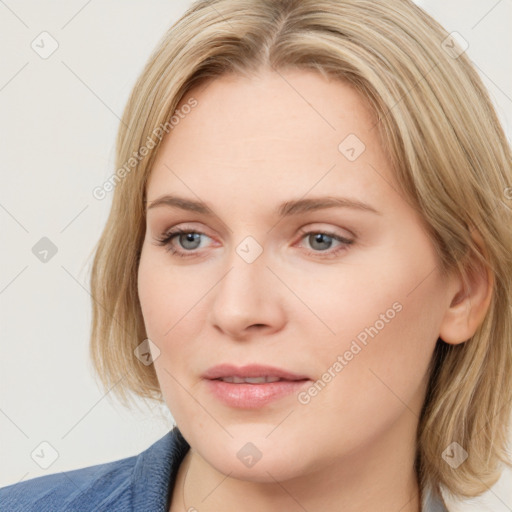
[[470, 301]]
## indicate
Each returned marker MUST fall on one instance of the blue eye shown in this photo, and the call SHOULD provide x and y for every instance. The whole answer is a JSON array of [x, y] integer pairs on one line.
[[324, 237], [187, 237], [190, 241], [320, 238]]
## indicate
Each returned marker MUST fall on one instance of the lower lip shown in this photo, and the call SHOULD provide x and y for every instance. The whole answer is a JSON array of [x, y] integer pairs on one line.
[[253, 396]]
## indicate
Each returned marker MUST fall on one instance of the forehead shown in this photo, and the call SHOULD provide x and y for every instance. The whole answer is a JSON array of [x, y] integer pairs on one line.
[[284, 131]]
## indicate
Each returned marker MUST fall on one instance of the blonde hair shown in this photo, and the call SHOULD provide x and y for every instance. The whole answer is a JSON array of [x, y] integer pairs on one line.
[[446, 145]]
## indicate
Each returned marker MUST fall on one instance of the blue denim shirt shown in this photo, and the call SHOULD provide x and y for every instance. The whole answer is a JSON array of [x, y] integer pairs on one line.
[[141, 483]]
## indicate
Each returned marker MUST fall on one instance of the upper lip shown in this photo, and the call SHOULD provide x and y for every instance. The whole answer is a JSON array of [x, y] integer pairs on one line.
[[251, 370]]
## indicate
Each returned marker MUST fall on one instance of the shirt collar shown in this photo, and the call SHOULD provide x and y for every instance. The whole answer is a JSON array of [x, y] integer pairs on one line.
[[155, 472]]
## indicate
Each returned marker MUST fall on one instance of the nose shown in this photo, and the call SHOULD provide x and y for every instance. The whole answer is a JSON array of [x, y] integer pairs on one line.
[[248, 300]]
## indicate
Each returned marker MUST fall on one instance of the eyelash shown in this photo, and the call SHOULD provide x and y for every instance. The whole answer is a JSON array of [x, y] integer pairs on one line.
[[166, 239]]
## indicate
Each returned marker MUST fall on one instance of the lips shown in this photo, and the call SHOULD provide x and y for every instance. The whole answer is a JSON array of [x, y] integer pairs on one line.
[[249, 374], [253, 386]]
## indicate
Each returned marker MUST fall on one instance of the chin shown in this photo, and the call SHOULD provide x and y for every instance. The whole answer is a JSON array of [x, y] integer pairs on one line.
[[255, 458]]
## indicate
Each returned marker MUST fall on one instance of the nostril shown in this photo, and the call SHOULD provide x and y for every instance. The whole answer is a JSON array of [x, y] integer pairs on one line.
[[257, 325]]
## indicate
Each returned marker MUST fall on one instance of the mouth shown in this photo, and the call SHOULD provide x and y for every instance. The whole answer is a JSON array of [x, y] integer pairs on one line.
[[255, 380], [251, 372], [252, 387]]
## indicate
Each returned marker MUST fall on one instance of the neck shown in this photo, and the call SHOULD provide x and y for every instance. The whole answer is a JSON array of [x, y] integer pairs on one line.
[[379, 476]]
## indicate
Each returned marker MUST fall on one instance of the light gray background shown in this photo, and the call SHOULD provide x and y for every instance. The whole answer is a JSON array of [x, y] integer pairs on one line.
[[58, 121]]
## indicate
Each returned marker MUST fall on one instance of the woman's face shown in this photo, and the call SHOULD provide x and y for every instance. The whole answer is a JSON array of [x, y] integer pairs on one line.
[[349, 297]]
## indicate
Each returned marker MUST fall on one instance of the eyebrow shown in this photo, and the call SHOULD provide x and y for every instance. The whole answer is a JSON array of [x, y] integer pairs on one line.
[[286, 209]]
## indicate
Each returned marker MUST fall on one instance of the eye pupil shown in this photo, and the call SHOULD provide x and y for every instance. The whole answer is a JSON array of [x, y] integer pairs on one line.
[[319, 237], [189, 237]]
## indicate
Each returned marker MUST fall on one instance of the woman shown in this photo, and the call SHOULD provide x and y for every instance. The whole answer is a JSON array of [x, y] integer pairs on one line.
[[369, 373]]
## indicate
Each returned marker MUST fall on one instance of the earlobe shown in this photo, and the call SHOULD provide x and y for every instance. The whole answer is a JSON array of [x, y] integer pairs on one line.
[[470, 301]]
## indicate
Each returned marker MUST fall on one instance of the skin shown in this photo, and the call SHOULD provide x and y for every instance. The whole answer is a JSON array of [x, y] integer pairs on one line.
[[248, 146]]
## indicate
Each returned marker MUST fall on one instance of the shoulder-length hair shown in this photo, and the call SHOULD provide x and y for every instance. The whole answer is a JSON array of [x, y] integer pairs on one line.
[[452, 161]]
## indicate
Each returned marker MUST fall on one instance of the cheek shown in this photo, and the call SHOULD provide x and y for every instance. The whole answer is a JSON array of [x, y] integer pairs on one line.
[[379, 325], [165, 293], [166, 304], [174, 307], [372, 372]]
